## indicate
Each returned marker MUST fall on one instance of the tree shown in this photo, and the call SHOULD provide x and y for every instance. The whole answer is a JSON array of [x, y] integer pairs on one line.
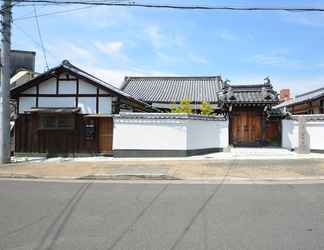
[[184, 107], [206, 108]]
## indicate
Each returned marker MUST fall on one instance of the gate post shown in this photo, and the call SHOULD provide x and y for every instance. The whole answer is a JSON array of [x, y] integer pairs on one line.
[[303, 138]]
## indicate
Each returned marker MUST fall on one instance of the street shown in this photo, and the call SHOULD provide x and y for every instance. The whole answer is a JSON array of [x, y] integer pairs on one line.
[[85, 215]]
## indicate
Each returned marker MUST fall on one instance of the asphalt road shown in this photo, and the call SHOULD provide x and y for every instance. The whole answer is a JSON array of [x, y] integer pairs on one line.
[[43, 215]]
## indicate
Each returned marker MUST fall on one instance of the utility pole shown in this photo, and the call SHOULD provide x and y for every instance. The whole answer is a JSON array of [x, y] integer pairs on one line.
[[5, 82]]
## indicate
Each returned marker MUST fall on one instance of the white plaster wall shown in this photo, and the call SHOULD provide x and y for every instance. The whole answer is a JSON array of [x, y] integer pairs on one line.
[[48, 86], [148, 134], [56, 102], [31, 90], [67, 87], [169, 134], [315, 132], [105, 105], [26, 103], [207, 134], [86, 88], [289, 134], [87, 105]]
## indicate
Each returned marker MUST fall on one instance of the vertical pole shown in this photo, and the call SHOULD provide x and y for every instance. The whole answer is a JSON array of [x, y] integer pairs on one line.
[[5, 82]]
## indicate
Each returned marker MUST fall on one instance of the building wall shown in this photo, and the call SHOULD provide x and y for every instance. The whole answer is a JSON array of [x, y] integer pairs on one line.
[[314, 133], [312, 107], [167, 136], [67, 93]]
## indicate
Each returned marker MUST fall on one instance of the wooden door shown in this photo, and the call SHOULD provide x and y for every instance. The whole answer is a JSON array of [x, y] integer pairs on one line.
[[246, 128], [105, 135]]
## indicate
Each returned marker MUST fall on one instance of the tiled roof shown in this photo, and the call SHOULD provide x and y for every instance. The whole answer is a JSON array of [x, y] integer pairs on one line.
[[174, 89], [303, 98], [178, 116], [261, 93], [196, 89]]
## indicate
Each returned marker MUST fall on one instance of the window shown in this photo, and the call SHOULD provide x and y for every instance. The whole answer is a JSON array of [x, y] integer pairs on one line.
[[56, 122]]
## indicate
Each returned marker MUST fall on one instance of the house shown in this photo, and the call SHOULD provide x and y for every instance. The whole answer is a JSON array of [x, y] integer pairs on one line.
[[68, 111], [22, 60], [247, 106], [308, 103]]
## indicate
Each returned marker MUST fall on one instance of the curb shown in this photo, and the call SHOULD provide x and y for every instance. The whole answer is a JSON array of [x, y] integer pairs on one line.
[[129, 177]]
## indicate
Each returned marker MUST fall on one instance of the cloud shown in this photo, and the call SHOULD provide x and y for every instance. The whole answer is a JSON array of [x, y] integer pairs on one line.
[[117, 76], [198, 59], [110, 48], [276, 60]]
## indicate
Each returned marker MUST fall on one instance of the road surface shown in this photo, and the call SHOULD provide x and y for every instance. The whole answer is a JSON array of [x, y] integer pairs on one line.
[[49, 215]]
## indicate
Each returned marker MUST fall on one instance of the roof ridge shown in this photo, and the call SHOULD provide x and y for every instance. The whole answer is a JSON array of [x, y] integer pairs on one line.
[[170, 77], [309, 92]]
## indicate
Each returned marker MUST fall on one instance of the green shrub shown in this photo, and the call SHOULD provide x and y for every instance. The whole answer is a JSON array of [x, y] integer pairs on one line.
[[206, 108]]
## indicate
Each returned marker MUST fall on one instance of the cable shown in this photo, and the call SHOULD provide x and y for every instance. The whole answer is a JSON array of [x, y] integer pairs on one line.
[[40, 38], [34, 41], [53, 13], [178, 7]]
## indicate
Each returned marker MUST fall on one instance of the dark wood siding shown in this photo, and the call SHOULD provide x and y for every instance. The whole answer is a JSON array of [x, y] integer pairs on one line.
[[29, 138]]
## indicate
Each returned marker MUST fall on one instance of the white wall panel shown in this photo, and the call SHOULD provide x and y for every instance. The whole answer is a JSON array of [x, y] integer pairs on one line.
[[207, 134], [101, 91], [87, 105], [87, 88], [149, 135], [67, 87], [48, 86], [26, 103], [56, 102], [169, 134], [31, 90], [105, 105], [289, 134]]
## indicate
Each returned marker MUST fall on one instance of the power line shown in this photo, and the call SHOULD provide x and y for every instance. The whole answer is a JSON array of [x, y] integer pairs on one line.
[[177, 7], [54, 13], [40, 38]]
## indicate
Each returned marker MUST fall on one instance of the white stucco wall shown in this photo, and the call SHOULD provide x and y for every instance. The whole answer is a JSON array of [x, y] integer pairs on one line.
[[289, 134], [207, 134], [169, 134], [147, 134], [26, 103], [314, 133], [56, 102], [85, 103], [48, 86]]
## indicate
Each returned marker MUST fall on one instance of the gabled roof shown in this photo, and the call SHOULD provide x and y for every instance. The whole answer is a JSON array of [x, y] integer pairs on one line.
[[174, 89], [308, 96], [67, 66], [247, 93]]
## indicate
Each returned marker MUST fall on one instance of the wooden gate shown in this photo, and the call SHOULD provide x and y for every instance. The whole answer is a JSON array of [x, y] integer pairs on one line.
[[105, 135], [246, 128]]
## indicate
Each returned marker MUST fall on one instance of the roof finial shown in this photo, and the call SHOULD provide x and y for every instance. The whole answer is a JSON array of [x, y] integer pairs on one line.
[[267, 81], [66, 62]]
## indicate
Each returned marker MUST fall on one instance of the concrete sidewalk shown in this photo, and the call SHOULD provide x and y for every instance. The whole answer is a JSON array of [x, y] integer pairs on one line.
[[172, 169]]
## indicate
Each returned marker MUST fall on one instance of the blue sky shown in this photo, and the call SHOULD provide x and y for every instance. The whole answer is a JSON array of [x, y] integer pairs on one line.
[[244, 47]]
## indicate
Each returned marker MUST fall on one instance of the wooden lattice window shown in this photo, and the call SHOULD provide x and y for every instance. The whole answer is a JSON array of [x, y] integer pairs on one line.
[[56, 122]]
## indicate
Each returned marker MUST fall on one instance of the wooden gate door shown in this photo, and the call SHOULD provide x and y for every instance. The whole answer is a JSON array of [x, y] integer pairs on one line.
[[246, 128], [105, 135]]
